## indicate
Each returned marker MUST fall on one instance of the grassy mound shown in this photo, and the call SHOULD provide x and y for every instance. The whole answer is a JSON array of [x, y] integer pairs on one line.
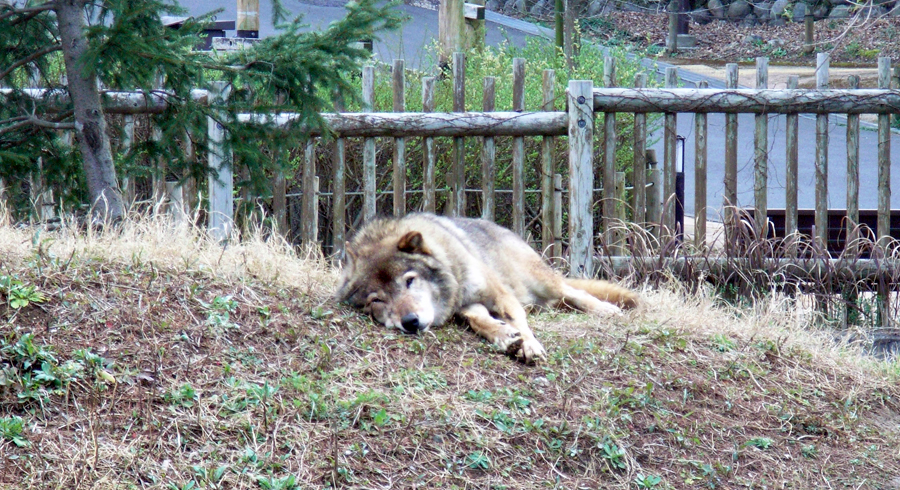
[[150, 359]]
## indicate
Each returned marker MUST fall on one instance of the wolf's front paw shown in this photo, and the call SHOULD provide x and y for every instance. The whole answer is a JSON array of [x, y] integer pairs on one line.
[[532, 351]]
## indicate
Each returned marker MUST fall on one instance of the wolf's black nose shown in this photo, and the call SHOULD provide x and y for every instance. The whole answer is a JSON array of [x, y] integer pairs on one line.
[[410, 323]]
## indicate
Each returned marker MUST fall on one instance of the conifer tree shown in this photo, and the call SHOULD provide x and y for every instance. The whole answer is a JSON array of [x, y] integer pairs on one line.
[[72, 48]]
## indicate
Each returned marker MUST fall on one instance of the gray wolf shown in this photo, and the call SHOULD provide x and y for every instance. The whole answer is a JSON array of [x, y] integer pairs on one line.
[[419, 271]]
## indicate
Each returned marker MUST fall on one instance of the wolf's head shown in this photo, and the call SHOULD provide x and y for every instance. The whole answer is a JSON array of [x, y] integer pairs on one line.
[[399, 282]]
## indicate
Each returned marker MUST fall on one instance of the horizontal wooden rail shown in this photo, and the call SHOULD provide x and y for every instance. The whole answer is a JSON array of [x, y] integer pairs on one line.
[[812, 269], [389, 124], [114, 102], [732, 101]]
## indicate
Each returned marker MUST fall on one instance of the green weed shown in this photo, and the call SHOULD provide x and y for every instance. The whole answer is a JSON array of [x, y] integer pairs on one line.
[[13, 429]]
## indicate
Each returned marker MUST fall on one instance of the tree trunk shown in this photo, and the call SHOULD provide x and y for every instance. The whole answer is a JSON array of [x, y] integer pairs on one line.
[[90, 124]]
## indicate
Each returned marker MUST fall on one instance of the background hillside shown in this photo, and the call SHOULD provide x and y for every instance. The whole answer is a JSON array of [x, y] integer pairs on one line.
[[149, 359]]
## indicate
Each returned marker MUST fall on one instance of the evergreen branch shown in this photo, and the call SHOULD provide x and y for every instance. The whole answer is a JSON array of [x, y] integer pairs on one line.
[[28, 12], [16, 123], [29, 59]]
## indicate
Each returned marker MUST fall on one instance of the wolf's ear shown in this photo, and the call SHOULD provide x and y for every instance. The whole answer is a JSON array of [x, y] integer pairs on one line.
[[412, 243]]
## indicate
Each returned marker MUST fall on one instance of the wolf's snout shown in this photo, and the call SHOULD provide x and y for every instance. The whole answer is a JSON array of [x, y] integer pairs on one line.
[[410, 323]]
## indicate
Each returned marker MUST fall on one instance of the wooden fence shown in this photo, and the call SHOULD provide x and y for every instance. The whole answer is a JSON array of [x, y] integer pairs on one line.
[[649, 204]]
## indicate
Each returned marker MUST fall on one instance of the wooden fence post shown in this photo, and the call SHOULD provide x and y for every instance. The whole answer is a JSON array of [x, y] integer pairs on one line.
[[731, 132], [670, 135], [761, 155], [654, 206], [309, 201], [821, 220], [176, 211], [428, 203], [548, 166], [518, 151], [581, 177], [221, 179], [884, 158], [700, 146], [338, 188], [852, 173], [369, 196], [159, 172], [792, 158], [488, 156], [458, 171], [612, 237], [399, 88], [639, 176]]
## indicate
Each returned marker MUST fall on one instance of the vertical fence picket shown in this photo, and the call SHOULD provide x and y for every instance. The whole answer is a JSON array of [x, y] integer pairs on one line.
[[731, 132], [370, 207], [309, 202], [611, 234], [548, 165], [399, 88], [761, 154], [581, 177], [654, 206], [458, 171], [821, 220], [669, 145], [518, 150], [792, 158], [428, 201], [852, 171], [884, 157], [279, 202], [700, 146], [488, 155], [338, 189], [639, 176]]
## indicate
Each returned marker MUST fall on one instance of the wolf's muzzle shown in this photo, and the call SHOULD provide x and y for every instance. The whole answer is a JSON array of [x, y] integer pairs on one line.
[[410, 323]]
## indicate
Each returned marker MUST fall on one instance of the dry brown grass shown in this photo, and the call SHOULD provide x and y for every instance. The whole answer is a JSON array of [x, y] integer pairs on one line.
[[235, 359]]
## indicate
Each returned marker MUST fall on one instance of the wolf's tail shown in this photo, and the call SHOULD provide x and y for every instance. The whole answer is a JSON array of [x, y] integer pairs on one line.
[[606, 291]]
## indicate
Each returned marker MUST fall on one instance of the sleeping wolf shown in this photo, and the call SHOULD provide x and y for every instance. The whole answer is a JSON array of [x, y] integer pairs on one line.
[[419, 271]]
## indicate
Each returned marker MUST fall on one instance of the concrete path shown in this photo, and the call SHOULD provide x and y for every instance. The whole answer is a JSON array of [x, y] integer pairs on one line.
[[421, 30]]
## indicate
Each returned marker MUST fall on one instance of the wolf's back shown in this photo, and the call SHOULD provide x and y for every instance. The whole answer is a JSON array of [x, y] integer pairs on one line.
[[606, 291]]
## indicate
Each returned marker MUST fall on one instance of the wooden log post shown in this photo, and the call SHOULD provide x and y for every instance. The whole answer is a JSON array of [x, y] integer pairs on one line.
[[548, 166], [884, 158], [221, 179], [639, 176], [792, 157], [399, 92], [158, 177], [451, 29], [428, 200], [488, 155], [731, 133], [581, 178], [809, 41], [458, 170], [473, 17], [672, 35], [279, 202], [701, 127], [518, 150], [821, 219], [619, 181], [370, 204], [852, 174], [612, 236], [338, 190], [761, 155], [670, 135], [309, 202]]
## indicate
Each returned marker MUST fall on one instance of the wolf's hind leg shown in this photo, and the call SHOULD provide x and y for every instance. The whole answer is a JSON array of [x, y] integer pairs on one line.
[[582, 300], [502, 334]]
